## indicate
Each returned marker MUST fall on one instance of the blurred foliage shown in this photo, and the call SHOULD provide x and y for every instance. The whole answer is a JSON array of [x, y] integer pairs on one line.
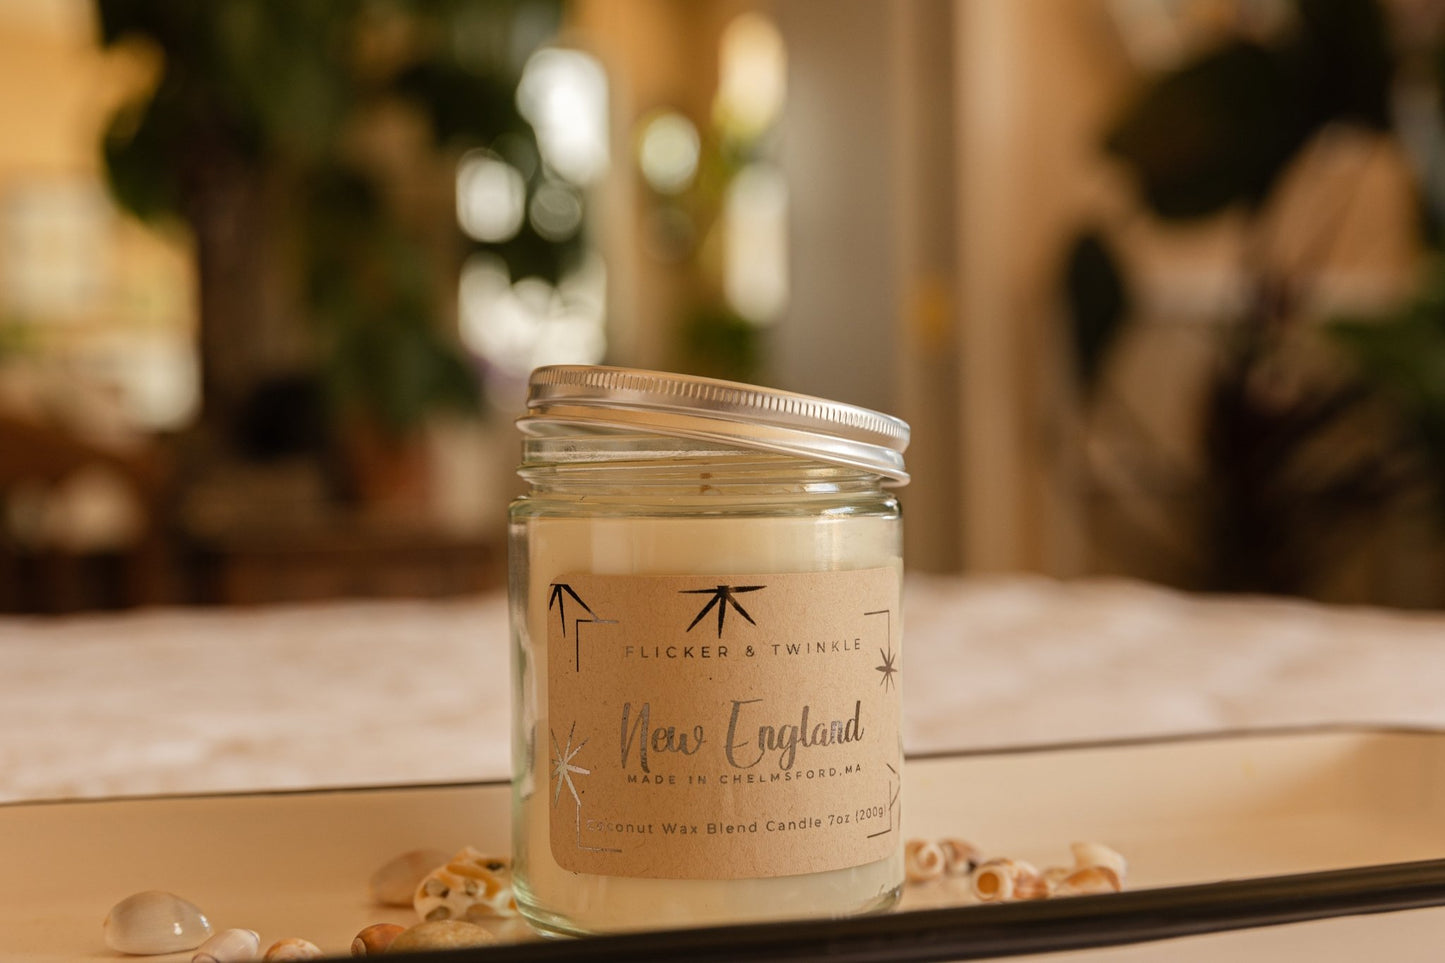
[[1292, 475], [1404, 356], [1295, 462], [720, 343], [267, 98], [16, 338], [686, 227], [1220, 129]]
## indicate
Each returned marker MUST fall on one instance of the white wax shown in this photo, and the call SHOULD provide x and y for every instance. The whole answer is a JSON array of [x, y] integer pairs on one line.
[[689, 546]]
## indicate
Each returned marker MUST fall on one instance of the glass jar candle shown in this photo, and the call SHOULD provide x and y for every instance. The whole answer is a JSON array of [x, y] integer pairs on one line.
[[705, 583]]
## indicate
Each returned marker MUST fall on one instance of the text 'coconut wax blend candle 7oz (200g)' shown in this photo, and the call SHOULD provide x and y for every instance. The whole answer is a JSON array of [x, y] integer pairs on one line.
[[705, 587]]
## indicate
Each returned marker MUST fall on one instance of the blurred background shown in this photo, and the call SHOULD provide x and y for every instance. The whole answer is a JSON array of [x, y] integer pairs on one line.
[[1157, 282]]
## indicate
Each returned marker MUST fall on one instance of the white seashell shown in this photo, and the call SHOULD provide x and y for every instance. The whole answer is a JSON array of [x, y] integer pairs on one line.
[[960, 857], [229, 946], [441, 935], [1097, 854], [472, 885], [395, 882], [923, 861], [1089, 881], [1000, 880], [375, 939], [154, 922], [292, 948]]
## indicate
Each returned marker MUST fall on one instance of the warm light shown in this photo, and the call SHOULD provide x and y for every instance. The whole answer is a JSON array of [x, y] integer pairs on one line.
[[668, 152], [756, 225], [518, 327], [564, 95], [491, 197], [753, 76]]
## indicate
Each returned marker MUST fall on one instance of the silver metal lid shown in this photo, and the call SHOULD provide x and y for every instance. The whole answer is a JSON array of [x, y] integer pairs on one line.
[[720, 411]]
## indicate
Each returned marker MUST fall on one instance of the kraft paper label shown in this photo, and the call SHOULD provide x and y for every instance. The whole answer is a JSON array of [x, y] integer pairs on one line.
[[723, 727]]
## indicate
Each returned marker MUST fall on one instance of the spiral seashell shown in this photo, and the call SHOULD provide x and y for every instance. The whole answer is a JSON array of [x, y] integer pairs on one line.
[[441, 935], [960, 857], [229, 946], [1089, 881], [1097, 854], [375, 939], [292, 948], [923, 861], [395, 881], [1000, 880], [154, 922], [471, 885]]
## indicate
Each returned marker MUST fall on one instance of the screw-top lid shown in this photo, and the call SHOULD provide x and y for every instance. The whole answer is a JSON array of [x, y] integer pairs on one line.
[[721, 411]]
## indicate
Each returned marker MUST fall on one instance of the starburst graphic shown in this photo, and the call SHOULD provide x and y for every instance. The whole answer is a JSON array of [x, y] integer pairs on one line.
[[722, 597], [560, 601], [888, 669], [563, 767]]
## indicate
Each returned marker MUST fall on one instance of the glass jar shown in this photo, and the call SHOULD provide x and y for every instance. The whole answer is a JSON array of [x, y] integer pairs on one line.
[[705, 583]]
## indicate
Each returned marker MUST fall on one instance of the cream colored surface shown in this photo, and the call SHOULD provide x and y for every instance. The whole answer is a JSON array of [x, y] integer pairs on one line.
[[296, 865], [399, 692]]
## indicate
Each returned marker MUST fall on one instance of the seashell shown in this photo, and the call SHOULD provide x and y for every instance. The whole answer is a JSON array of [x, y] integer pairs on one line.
[[471, 885], [441, 935], [395, 882], [229, 946], [923, 861], [1089, 881], [960, 857], [1097, 854], [999, 880], [154, 922], [374, 940], [292, 948], [1054, 875], [1031, 887]]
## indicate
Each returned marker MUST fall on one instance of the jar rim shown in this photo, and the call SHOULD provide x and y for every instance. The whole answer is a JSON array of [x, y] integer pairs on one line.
[[710, 409]]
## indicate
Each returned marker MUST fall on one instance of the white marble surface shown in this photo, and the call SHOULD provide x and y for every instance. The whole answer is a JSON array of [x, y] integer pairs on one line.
[[394, 692]]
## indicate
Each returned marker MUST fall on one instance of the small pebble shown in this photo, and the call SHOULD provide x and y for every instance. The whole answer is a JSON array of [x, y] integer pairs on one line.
[[441, 935], [154, 922], [292, 948], [374, 940]]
